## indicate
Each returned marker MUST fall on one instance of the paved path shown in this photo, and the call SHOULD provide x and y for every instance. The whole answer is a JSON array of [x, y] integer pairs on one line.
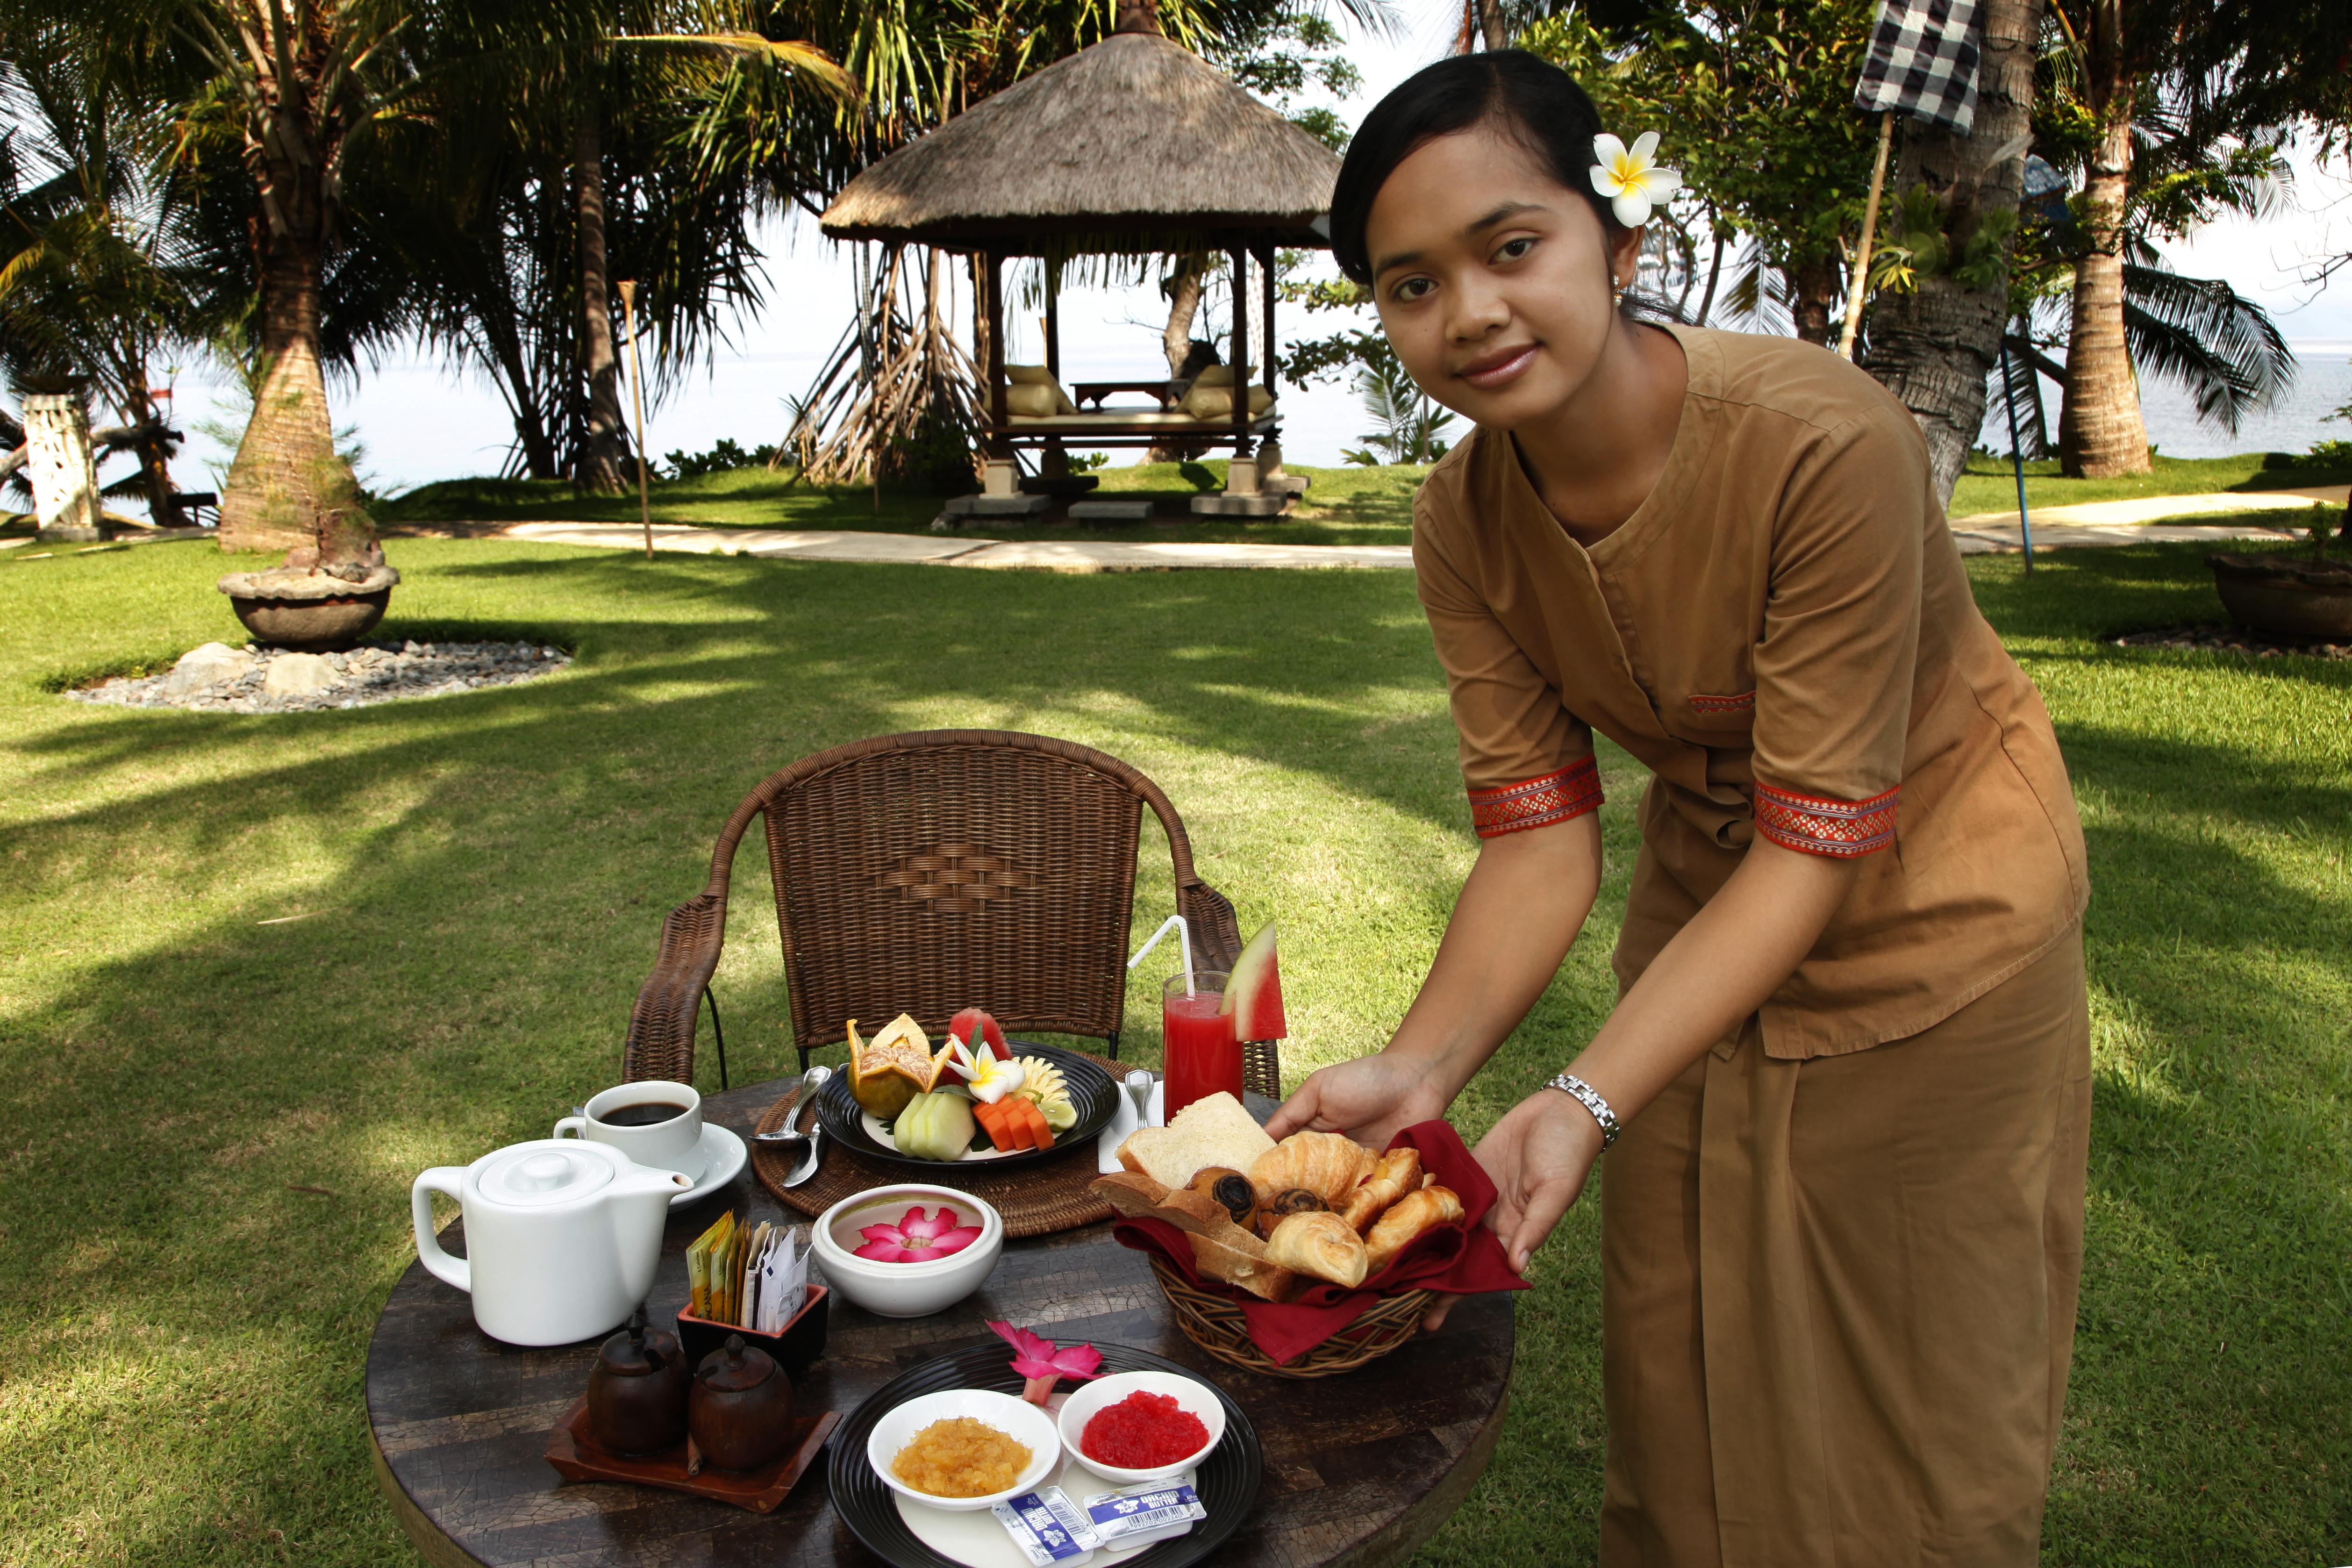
[[1981, 533]]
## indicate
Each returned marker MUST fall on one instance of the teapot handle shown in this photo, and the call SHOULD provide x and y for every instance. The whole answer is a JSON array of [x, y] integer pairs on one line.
[[449, 1179]]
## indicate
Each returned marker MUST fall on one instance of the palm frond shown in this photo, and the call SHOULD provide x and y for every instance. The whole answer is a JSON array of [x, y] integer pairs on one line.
[[2205, 336]]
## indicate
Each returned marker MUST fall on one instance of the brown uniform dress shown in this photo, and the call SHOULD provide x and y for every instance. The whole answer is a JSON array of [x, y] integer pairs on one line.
[[1839, 1281]]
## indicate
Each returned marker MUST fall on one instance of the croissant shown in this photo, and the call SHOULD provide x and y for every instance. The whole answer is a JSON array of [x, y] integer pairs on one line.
[[1397, 1174], [1319, 1244], [1408, 1218], [1328, 1164]]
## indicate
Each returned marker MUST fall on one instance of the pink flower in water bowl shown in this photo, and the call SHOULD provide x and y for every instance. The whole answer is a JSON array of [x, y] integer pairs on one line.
[[917, 1237]]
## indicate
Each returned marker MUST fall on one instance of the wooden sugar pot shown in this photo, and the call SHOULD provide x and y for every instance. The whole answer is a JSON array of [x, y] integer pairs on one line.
[[740, 1409], [638, 1393]]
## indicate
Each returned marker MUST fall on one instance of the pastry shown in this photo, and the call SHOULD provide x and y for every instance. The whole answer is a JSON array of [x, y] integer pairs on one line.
[[1328, 1164], [1212, 1130], [1397, 1173], [1407, 1218], [1231, 1188], [1282, 1205], [1228, 1257], [1320, 1243]]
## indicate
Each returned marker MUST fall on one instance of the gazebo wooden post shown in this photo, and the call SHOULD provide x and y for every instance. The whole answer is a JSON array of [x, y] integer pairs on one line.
[[1265, 262], [999, 446], [1240, 257], [1056, 464]]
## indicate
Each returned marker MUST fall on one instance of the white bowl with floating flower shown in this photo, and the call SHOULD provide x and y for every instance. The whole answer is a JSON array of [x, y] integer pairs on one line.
[[908, 1249]]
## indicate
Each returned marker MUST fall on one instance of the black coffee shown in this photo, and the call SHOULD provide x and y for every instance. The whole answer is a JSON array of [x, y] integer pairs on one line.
[[643, 1115]]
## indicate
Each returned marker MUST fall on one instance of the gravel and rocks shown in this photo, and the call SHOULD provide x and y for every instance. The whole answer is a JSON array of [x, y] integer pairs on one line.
[[218, 679], [2229, 640]]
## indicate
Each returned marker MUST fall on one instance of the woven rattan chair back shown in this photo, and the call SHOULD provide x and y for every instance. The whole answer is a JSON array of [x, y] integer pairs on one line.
[[928, 872]]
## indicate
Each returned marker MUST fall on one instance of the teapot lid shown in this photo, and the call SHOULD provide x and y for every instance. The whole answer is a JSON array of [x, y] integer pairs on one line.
[[544, 1172], [735, 1367]]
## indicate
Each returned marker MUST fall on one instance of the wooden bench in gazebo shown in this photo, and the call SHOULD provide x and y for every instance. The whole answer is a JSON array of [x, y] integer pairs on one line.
[[1132, 146]]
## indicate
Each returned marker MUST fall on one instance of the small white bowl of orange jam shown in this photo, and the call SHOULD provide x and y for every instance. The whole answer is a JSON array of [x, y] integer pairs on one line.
[[939, 1450]]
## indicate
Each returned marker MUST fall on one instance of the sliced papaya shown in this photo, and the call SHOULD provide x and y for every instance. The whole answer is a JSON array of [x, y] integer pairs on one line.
[[991, 1121], [1041, 1136]]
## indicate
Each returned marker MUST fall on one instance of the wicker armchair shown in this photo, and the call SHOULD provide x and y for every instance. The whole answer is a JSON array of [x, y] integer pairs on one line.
[[928, 872]]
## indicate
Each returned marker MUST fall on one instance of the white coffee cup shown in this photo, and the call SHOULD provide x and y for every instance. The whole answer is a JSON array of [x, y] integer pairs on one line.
[[675, 1145]]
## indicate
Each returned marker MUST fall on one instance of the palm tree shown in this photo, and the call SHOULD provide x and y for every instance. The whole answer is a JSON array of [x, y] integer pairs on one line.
[[96, 274]]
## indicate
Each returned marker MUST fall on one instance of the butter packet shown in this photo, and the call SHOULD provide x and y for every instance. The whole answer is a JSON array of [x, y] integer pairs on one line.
[[1139, 1515], [1046, 1527]]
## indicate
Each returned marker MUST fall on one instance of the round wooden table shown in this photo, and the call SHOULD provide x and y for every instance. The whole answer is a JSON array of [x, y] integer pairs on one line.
[[1361, 1468]]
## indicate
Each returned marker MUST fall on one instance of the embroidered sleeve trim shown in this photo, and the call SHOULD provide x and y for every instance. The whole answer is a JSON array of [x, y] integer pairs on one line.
[[1743, 702], [1840, 828], [1555, 796]]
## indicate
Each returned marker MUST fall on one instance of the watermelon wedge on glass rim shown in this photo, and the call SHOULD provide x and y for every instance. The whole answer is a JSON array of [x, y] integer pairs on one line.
[[1254, 990]]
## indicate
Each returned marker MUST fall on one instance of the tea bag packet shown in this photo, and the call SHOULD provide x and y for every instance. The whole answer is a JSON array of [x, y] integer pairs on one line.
[[705, 1265], [1139, 1515], [1047, 1528], [784, 1283]]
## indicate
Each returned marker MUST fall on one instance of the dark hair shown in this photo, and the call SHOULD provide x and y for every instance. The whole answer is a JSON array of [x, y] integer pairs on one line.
[[1527, 97]]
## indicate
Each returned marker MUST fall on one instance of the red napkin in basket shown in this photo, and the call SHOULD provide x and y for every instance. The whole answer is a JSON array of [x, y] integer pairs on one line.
[[1459, 1259]]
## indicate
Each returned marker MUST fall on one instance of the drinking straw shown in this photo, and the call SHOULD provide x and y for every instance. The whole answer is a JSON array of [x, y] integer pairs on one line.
[[1183, 940]]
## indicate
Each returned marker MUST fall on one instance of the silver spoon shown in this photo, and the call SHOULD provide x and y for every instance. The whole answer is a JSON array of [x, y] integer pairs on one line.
[[784, 1138]]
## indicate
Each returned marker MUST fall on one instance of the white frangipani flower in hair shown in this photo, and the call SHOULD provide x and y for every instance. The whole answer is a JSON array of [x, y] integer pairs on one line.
[[1632, 181]]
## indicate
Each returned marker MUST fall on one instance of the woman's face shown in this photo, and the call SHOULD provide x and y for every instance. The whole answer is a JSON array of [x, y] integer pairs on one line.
[[1493, 279]]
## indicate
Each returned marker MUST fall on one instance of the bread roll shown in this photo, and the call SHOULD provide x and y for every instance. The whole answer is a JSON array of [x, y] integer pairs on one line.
[[1232, 1189], [1218, 1257], [1328, 1164], [1409, 1217], [1129, 1192], [1319, 1244], [1397, 1174]]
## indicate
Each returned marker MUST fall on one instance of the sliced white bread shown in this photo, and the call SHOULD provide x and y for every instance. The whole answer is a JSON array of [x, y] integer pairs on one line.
[[1214, 1131]]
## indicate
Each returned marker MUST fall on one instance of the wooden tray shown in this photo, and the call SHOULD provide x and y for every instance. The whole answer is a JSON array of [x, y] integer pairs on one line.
[[1038, 1200], [576, 1457]]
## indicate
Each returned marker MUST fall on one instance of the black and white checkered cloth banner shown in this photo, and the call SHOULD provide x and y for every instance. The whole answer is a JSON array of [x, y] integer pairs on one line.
[[1923, 62]]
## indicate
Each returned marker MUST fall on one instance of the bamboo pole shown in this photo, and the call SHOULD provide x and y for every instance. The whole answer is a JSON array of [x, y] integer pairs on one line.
[[1869, 234], [637, 393]]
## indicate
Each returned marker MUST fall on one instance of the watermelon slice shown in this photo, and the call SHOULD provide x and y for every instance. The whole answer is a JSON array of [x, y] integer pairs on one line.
[[1253, 992], [974, 1028]]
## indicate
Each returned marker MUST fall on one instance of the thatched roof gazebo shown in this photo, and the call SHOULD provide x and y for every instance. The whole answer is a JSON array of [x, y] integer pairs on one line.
[[1134, 145]]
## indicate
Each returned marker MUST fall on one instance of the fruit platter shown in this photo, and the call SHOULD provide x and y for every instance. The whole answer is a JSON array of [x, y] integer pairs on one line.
[[978, 1099]]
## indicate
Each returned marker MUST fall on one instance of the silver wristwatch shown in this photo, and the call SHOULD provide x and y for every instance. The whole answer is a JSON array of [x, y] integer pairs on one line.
[[1587, 1096]]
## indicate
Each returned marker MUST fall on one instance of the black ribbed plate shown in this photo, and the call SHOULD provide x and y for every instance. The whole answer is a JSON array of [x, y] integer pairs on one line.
[[1226, 1480], [1092, 1094]]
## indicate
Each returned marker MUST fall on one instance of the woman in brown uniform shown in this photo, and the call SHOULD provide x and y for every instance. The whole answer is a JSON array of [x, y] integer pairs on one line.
[[1850, 1057]]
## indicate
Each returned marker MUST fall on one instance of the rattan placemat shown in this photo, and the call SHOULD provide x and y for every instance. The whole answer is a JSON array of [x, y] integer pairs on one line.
[[1036, 1199]]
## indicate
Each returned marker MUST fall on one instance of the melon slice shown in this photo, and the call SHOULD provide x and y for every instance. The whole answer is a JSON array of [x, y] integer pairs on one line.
[[892, 1067], [1254, 990]]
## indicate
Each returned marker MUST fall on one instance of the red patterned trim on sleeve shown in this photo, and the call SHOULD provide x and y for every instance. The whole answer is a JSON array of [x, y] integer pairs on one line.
[[1743, 702], [1555, 796], [1841, 829]]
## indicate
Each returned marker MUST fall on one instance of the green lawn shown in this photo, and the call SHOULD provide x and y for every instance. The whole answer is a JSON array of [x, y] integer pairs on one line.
[[183, 1311], [1346, 506]]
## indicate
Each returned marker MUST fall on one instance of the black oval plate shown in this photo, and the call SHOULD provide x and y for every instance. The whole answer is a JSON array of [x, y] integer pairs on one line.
[[1092, 1093], [1227, 1479]]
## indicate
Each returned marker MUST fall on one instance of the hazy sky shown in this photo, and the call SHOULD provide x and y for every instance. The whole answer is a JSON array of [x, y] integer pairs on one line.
[[421, 422]]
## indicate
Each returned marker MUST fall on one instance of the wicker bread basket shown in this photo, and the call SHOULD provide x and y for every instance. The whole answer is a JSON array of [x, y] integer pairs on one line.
[[1215, 1324]]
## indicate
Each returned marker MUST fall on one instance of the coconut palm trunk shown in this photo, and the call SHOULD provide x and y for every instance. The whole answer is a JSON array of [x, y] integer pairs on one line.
[[1933, 348], [602, 450], [288, 488], [2100, 431]]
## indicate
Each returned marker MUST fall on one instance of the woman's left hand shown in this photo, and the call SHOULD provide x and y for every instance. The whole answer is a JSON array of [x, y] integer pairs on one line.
[[1538, 1157]]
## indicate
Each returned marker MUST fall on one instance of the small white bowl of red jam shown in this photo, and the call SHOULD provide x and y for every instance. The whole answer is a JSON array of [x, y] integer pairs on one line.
[[1136, 1426]]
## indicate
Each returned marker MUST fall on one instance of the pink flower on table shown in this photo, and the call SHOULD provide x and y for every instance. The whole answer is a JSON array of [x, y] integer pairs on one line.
[[917, 1237], [1042, 1362]]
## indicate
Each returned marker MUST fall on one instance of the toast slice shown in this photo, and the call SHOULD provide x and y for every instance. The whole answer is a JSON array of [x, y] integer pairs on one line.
[[1214, 1131]]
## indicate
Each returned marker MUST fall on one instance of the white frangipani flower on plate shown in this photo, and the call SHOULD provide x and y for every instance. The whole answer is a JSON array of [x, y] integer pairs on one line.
[[1632, 180]]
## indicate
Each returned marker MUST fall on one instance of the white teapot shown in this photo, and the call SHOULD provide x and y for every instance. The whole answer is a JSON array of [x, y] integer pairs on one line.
[[562, 1237]]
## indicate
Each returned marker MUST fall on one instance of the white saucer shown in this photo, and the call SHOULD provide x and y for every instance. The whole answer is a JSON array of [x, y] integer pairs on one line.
[[723, 1154]]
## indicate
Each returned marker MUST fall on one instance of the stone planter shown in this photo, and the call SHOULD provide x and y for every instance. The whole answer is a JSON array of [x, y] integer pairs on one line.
[[309, 612], [2286, 596]]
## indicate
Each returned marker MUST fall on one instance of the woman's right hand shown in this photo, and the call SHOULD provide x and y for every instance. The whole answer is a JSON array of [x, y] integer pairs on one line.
[[1370, 1098]]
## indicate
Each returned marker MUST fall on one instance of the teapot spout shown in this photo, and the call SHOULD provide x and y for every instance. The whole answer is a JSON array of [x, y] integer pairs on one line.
[[637, 1207]]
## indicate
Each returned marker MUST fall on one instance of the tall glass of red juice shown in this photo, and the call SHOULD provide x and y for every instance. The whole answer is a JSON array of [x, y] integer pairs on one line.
[[1202, 1054]]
